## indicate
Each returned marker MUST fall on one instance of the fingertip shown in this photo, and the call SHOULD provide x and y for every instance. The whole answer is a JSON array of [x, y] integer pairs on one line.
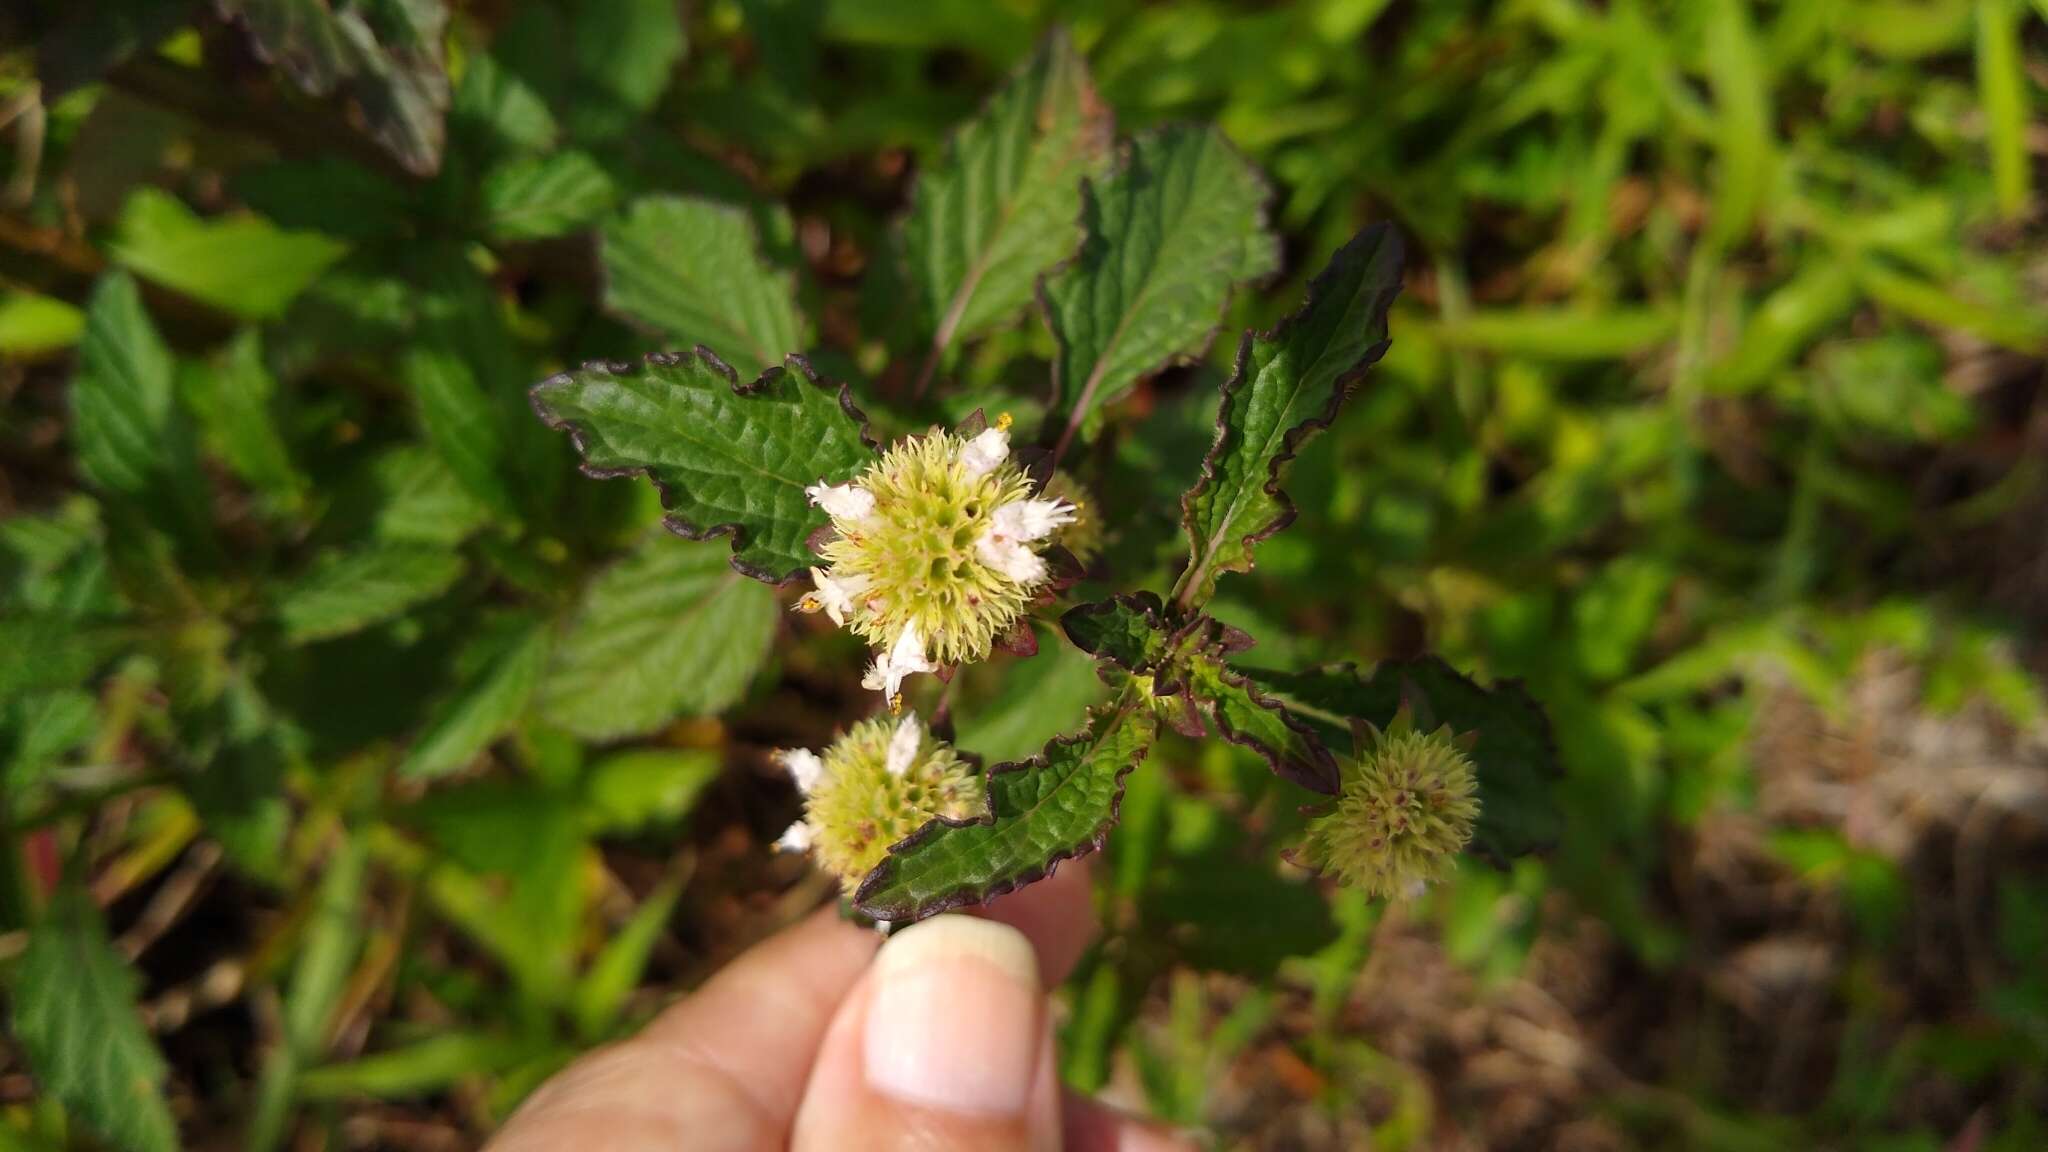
[[1057, 915]]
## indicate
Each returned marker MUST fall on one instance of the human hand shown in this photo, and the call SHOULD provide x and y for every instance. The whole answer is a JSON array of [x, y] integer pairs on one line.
[[825, 1037]]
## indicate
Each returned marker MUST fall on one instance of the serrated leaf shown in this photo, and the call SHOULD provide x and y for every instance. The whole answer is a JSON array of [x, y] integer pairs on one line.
[[419, 500], [728, 457], [1055, 806], [1128, 630], [1003, 204], [669, 631], [1245, 716], [535, 197], [384, 54], [1169, 233], [461, 422], [1288, 384], [346, 592], [239, 263], [231, 400], [693, 271], [123, 399], [602, 64], [500, 671], [75, 1017], [1515, 755], [495, 111]]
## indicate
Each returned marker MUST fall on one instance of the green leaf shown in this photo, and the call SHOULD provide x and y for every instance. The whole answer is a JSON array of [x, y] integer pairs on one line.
[[48, 651], [123, 401], [1055, 806], [462, 423], [728, 457], [347, 592], [416, 1070], [1128, 630], [1245, 716], [617, 970], [668, 631], [231, 399], [536, 197], [326, 954], [642, 788], [1169, 233], [2003, 89], [693, 271], [419, 500], [384, 54], [1003, 204], [32, 326], [239, 263], [602, 64], [1515, 755], [499, 672], [75, 1017], [329, 194], [1288, 384]]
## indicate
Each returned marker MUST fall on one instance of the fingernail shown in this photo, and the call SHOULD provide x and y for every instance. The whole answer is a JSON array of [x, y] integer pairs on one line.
[[954, 1020]]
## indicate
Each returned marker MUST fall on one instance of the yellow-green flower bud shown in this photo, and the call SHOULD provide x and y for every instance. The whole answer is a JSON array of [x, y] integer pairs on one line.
[[1406, 807], [935, 553], [875, 785]]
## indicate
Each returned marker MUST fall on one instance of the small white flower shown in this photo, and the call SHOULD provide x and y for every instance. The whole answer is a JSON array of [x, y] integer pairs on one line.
[[836, 597], [1025, 520], [983, 454], [844, 503], [803, 766], [903, 746], [1012, 559], [905, 659], [795, 838]]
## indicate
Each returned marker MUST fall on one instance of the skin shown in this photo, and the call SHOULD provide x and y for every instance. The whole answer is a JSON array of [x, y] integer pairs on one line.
[[773, 1052]]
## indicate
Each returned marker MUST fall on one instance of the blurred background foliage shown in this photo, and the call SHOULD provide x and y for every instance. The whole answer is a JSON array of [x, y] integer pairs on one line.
[[381, 764]]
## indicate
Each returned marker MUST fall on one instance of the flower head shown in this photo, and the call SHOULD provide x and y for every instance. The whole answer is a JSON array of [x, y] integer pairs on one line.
[[936, 551], [875, 785], [1406, 808]]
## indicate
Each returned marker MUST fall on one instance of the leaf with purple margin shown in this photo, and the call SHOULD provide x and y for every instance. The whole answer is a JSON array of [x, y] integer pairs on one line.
[[1055, 806], [1288, 385]]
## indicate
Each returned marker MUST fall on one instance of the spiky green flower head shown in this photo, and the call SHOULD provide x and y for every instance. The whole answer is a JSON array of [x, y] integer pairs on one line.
[[875, 785], [1406, 807], [1081, 536], [935, 553]]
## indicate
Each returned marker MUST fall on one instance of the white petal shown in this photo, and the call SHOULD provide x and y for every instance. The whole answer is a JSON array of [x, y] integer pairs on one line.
[[1012, 559], [795, 838], [844, 503], [803, 766], [1030, 519], [835, 596], [903, 745], [982, 454], [905, 659]]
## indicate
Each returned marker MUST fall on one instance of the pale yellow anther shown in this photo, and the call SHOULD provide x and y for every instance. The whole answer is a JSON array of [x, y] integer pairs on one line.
[[1003, 422]]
